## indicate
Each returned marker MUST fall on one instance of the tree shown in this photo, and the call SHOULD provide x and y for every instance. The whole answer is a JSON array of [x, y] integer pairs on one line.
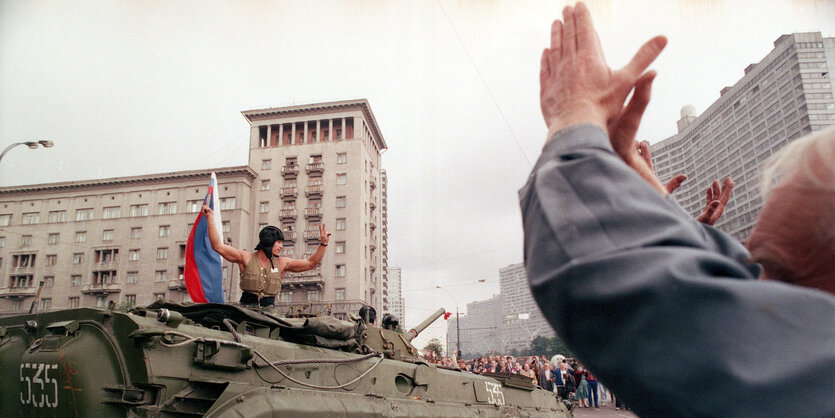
[[435, 346], [541, 345], [549, 346]]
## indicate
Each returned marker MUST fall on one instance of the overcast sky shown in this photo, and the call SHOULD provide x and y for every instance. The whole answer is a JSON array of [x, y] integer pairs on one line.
[[136, 87]]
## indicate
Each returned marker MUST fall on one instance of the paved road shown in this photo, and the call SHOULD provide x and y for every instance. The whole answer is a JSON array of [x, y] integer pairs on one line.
[[605, 411]]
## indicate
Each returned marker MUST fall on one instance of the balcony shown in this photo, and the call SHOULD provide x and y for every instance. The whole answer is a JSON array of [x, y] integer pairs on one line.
[[288, 252], [18, 292], [314, 190], [312, 213], [288, 192], [101, 288], [289, 236], [288, 214], [372, 224], [317, 167], [312, 235], [177, 284], [305, 278], [23, 270], [290, 171]]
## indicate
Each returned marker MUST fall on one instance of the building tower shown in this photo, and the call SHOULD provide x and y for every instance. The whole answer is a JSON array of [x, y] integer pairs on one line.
[[395, 285], [321, 163], [786, 95], [389, 300], [522, 320]]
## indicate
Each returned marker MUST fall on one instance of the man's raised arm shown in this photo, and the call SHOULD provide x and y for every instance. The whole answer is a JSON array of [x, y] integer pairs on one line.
[[231, 254]]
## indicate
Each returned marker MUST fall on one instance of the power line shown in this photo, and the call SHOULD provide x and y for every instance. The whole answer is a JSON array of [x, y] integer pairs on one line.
[[484, 83]]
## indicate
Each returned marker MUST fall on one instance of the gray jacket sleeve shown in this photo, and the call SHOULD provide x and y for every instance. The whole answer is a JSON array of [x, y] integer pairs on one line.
[[665, 311]]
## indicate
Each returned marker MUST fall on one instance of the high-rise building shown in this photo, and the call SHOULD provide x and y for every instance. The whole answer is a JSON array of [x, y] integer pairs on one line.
[[522, 320], [395, 295], [479, 328], [123, 239], [118, 240], [392, 295], [318, 164], [787, 94]]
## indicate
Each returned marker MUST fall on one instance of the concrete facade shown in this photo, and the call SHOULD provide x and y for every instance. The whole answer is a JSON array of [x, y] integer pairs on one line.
[[479, 328], [321, 164], [119, 239], [784, 96], [395, 295], [522, 320]]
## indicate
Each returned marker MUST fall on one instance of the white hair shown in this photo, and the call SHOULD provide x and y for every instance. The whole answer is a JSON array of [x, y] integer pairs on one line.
[[810, 160]]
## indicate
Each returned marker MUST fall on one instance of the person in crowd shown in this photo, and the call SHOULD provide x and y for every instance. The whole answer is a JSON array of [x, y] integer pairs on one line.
[[559, 381], [582, 392], [570, 385], [546, 377], [610, 255], [593, 393], [527, 372], [262, 270]]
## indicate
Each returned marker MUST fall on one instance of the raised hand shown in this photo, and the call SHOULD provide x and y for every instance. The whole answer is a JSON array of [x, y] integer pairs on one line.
[[717, 198], [674, 183], [324, 235], [576, 84]]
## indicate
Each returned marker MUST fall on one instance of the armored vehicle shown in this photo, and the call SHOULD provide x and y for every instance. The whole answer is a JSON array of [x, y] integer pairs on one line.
[[168, 359]]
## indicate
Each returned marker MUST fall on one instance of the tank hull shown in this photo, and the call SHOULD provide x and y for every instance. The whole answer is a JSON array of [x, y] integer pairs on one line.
[[88, 362]]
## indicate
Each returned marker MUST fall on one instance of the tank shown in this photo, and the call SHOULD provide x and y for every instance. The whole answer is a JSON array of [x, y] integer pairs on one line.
[[223, 360]]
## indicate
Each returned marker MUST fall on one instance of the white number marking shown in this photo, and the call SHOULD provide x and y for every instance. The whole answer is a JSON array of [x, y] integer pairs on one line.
[[32, 374], [494, 393]]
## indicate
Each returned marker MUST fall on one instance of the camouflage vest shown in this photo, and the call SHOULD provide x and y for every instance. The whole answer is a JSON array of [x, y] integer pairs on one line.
[[259, 280]]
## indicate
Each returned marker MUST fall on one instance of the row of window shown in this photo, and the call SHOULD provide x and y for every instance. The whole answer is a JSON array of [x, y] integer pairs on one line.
[[313, 204], [75, 302], [112, 212], [312, 295], [314, 161], [107, 235], [98, 277]]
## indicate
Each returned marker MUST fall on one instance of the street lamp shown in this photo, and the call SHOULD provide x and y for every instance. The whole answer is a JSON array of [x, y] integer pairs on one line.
[[457, 323], [31, 144]]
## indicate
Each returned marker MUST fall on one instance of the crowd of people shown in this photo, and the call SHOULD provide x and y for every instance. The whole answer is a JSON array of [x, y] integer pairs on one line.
[[564, 376]]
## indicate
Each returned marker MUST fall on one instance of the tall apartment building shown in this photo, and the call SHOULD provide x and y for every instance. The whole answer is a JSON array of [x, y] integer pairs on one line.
[[522, 320], [392, 297], [318, 164], [395, 295], [119, 239], [479, 328], [787, 94]]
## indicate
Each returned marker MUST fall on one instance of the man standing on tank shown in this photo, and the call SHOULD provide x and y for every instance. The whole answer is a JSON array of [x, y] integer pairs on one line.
[[262, 270]]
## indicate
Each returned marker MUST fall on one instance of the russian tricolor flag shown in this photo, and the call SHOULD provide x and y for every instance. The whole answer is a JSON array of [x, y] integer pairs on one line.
[[204, 267]]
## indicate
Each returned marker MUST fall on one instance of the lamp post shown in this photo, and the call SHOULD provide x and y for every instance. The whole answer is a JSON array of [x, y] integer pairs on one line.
[[457, 324], [31, 144]]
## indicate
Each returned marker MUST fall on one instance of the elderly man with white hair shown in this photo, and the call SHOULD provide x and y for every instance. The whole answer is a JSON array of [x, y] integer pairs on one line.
[[667, 311]]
